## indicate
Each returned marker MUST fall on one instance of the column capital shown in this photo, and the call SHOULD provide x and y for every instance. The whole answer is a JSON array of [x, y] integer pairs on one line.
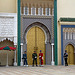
[[21, 43], [52, 43], [15, 45]]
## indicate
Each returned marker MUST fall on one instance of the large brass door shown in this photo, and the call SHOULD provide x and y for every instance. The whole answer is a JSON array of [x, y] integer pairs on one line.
[[35, 41], [70, 51]]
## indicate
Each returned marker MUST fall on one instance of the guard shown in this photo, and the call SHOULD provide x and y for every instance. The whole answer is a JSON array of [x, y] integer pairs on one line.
[[41, 58], [65, 57], [25, 59], [34, 57]]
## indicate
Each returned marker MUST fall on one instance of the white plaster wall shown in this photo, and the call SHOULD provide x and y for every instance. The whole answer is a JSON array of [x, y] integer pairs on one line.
[[12, 37]]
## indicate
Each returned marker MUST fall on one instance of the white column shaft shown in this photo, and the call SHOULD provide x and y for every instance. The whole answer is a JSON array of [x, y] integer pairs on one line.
[[35, 11], [68, 35], [7, 60], [15, 63], [65, 35], [52, 52], [52, 63], [24, 10], [15, 56], [21, 63], [21, 53]]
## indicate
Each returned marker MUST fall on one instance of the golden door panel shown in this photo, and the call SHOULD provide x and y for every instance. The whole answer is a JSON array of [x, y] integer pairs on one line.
[[35, 41], [70, 51]]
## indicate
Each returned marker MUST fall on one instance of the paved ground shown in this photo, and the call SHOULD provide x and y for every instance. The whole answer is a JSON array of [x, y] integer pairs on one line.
[[46, 70]]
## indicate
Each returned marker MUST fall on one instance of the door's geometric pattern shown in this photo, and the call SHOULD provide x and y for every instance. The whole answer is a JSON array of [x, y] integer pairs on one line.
[[70, 51], [68, 29], [35, 41]]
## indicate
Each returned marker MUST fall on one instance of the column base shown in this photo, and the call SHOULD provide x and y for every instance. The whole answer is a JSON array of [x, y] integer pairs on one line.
[[15, 64], [21, 63], [7, 66], [52, 63]]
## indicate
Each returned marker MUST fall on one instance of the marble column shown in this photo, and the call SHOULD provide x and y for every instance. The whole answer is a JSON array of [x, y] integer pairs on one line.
[[21, 63], [52, 62], [15, 63], [7, 60]]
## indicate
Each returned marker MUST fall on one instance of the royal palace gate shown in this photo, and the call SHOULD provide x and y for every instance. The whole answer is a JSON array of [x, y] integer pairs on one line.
[[36, 35], [68, 43]]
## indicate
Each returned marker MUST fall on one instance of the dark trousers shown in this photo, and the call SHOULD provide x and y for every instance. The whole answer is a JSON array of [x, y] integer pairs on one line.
[[35, 60], [25, 62], [40, 61], [66, 64]]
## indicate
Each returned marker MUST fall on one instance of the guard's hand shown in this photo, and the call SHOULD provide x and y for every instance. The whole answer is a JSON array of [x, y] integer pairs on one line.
[[39, 56]]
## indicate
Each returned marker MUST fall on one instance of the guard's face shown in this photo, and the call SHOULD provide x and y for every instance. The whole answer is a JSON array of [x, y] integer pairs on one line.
[[34, 52], [66, 51]]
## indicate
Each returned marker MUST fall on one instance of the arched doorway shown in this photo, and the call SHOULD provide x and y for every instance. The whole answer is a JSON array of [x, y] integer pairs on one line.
[[35, 41], [70, 51], [3, 53], [47, 41]]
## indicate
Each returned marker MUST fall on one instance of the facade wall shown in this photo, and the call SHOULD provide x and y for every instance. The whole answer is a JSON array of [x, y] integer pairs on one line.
[[8, 6], [8, 20], [8, 28], [38, 13], [65, 9]]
